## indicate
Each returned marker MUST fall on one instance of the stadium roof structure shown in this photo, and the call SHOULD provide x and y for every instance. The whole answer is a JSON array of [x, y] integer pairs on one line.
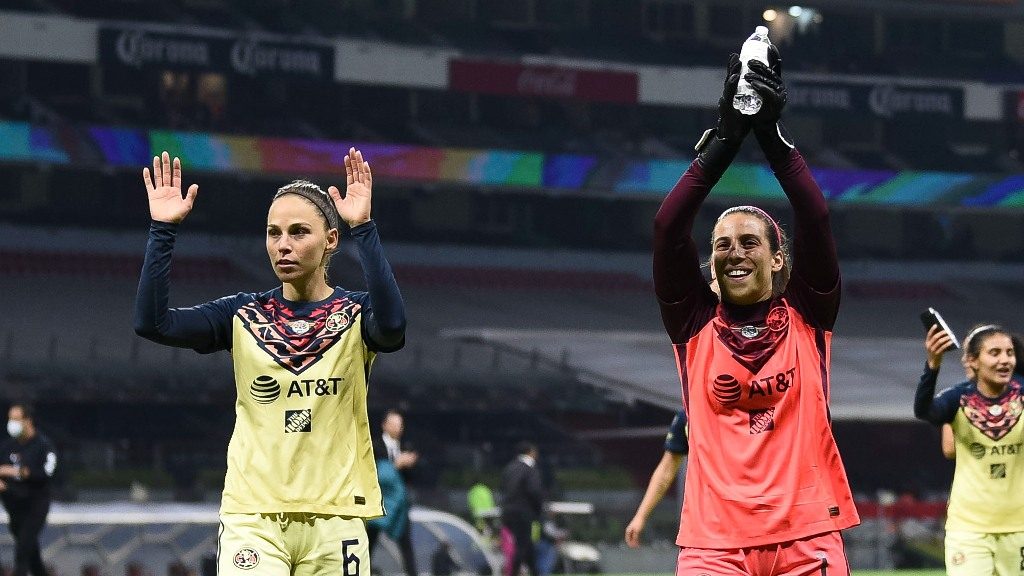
[[872, 378]]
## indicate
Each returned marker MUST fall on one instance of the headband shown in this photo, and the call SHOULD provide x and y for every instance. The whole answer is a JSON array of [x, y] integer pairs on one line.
[[317, 196], [979, 330], [756, 210]]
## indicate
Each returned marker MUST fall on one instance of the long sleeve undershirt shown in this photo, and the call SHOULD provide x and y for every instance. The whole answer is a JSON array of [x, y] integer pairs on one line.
[[677, 276], [198, 327]]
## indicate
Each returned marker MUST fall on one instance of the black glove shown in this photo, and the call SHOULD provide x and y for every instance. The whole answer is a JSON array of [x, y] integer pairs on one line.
[[718, 146], [732, 125], [766, 79]]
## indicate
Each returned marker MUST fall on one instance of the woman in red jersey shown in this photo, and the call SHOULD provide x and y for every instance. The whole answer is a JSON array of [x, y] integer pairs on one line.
[[766, 493]]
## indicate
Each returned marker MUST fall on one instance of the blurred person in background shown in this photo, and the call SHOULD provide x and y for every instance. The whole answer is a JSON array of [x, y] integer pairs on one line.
[[301, 477], [392, 429], [29, 462], [480, 500], [396, 524], [522, 500], [985, 516], [666, 471], [766, 492]]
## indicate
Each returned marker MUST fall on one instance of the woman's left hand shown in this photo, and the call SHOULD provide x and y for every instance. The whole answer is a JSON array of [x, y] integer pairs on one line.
[[767, 81], [354, 206]]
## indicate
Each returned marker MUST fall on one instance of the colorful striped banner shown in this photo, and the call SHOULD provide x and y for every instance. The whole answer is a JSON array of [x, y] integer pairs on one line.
[[574, 173]]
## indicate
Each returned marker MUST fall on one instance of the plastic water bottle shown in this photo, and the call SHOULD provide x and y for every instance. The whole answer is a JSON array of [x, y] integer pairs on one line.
[[747, 100]]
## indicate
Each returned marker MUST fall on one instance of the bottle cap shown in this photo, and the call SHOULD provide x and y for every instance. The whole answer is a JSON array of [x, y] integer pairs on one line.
[[761, 30]]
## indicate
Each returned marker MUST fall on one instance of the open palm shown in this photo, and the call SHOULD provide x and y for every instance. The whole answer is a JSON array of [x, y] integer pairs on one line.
[[166, 203], [354, 207]]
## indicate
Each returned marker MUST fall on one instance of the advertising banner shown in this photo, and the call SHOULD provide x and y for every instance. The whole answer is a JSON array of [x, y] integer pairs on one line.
[[142, 48], [884, 100], [513, 79]]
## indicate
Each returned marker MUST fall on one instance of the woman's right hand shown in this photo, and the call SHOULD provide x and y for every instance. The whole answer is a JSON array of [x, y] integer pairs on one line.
[[633, 530], [936, 343], [166, 203]]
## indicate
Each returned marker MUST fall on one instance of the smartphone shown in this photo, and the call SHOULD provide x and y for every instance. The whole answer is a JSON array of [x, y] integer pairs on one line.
[[931, 317]]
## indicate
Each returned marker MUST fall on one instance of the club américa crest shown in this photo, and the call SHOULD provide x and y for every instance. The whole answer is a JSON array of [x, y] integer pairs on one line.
[[777, 319], [338, 321], [246, 559]]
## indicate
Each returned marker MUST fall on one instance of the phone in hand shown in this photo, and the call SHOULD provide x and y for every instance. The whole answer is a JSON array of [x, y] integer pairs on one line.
[[931, 317]]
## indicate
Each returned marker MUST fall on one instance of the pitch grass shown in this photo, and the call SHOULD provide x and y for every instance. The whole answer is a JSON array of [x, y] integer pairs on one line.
[[936, 572]]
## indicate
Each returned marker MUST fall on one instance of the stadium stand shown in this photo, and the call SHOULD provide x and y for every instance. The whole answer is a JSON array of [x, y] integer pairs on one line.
[[531, 312]]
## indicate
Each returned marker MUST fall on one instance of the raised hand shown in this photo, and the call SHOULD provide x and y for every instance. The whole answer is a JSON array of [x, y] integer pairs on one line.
[[354, 206], [166, 203], [767, 80], [731, 123], [936, 344]]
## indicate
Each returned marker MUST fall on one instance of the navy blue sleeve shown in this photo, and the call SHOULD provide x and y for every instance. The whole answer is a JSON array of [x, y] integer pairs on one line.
[[384, 316], [939, 409], [204, 328], [675, 440]]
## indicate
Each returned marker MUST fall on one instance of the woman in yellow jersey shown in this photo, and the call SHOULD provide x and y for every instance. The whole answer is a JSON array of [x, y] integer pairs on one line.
[[300, 471], [985, 518]]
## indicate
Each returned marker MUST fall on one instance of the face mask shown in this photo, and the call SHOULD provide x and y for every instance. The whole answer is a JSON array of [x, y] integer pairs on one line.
[[15, 428]]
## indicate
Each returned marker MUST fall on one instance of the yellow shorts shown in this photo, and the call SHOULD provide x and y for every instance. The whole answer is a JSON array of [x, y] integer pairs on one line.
[[984, 554], [292, 544]]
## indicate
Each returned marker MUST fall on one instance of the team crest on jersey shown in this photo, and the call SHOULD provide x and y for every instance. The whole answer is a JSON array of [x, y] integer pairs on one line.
[[246, 559], [994, 423], [299, 327], [777, 319], [338, 321], [296, 344], [753, 346]]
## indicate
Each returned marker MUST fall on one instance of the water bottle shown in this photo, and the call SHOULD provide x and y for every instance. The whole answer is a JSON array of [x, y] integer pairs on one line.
[[747, 100]]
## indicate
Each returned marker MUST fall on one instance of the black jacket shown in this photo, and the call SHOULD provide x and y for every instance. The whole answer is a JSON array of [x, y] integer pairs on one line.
[[38, 458], [522, 494]]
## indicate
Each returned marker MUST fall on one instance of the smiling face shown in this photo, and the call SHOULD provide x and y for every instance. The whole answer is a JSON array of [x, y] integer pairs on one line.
[[298, 240], [994, 362], [743, 259]]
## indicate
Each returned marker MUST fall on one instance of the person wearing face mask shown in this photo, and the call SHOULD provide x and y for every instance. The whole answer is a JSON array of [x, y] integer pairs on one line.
[[766, 492], [29, 462], [985, 516]]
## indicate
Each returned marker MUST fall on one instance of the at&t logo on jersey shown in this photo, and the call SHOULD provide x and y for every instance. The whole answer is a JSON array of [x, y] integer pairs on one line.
[[758, 393], [265, 389], [314, 387], [298, 420], [246, 559]]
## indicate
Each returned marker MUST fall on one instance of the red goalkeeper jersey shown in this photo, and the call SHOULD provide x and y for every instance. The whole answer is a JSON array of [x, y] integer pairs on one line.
[[763, 466]]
